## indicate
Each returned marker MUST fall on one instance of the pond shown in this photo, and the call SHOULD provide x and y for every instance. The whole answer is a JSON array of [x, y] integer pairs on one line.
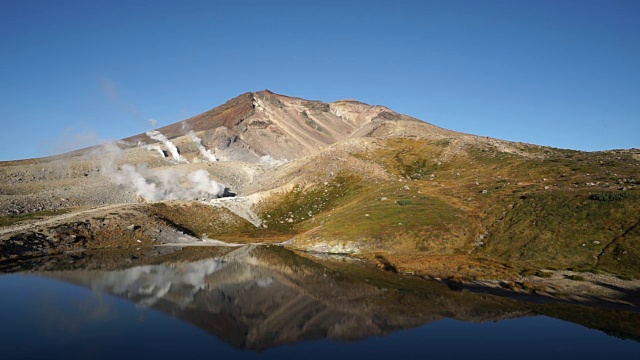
[[268, 302]]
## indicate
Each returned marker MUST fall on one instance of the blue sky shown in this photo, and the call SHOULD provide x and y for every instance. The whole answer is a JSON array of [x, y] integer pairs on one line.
[[558, 73]]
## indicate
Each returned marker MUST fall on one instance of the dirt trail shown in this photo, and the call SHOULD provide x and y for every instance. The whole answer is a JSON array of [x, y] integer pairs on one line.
[[240, 206], [22, 227]]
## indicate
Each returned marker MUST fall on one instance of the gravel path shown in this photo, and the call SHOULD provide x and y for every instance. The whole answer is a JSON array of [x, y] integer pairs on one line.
[[58, 219]]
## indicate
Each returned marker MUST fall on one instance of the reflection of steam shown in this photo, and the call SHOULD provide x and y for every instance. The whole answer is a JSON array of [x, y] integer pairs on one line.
[[166, 184], [151, 283], [204, 152], [157, 135]]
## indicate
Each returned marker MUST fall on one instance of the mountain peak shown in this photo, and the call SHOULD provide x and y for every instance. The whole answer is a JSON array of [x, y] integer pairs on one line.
[[264, 123]]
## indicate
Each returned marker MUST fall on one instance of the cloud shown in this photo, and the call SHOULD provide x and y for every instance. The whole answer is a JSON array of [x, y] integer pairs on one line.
[[131, 109], [110, 88], [70, 140]]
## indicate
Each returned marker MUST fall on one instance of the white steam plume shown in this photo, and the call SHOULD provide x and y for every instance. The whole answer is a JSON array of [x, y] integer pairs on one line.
[[206, 153], [156, 185], [155, 148], [168, 184], [128, 175], [157, 135], [153, 123]]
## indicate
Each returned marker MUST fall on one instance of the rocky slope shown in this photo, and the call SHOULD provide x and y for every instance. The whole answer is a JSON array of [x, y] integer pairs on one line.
[[341, 177]]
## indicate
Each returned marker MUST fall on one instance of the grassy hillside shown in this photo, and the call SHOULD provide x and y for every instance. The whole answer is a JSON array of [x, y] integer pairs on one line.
[[478, 206], [463, 206]]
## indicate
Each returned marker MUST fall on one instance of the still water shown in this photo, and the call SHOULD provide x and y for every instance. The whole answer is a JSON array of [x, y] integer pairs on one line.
[[260, 302]]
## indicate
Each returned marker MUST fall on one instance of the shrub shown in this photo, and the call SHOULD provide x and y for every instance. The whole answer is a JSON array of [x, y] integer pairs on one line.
[[575, 277], [510, 285], [404, 202], [544, 274], [611, 195], [530, 287], [528, 272]]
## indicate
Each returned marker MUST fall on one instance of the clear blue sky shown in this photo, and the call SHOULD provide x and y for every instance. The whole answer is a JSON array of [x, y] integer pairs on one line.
[[558, 73]]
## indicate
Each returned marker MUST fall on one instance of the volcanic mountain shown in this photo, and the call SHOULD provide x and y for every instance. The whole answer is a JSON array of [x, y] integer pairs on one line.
[[342, 177], [267, 124]]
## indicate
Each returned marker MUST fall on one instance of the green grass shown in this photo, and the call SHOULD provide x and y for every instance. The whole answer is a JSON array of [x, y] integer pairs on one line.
[[535, 211], [566, 229], [612, 196], [405, 220], [407, 158], [202, 220], [553, 211], [286, 212]]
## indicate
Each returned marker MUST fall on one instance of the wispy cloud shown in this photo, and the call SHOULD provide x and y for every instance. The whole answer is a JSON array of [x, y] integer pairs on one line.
[[70, 140], [111, 90]]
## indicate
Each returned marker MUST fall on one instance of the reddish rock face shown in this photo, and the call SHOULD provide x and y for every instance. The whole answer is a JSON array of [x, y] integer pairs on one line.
[[229, 115]]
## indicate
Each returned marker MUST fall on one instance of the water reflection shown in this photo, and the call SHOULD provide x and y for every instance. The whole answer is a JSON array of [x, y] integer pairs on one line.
[[258, 297], [262, 297]]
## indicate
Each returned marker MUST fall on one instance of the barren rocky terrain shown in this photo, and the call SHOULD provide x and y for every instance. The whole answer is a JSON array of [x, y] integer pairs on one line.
[[342, 177]]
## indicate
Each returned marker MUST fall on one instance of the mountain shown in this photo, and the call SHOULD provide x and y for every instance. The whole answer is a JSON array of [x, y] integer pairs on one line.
[[253, 125], [341, 177]]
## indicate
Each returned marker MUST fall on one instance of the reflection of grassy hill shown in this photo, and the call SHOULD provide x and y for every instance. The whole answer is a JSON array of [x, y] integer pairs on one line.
[[621, 324]]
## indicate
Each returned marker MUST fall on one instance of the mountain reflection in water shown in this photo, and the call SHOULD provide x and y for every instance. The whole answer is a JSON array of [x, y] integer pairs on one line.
[[262, 297], [258, 297]]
